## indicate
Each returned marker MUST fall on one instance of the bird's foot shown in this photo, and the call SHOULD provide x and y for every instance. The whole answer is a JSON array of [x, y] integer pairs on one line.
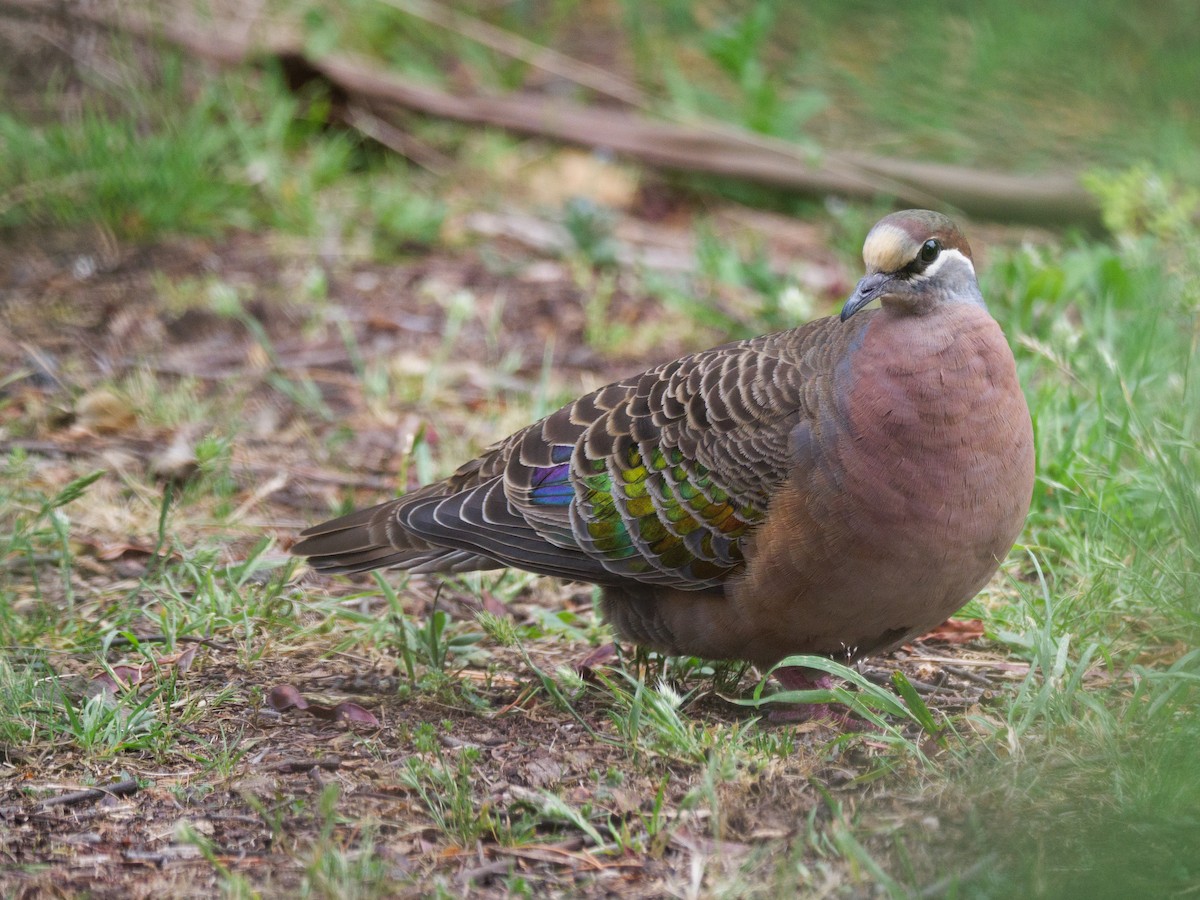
[[795, 678]]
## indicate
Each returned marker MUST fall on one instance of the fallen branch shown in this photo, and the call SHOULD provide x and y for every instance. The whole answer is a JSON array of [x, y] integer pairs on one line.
[[709, 148]]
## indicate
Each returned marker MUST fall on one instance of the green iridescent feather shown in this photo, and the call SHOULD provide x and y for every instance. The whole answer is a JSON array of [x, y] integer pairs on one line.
[[627, 518]]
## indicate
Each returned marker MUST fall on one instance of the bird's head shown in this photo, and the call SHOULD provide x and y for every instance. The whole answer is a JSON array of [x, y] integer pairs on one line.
[[917, 260]]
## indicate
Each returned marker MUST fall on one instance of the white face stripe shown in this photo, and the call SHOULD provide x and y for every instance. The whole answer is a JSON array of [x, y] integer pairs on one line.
[[941, 261]]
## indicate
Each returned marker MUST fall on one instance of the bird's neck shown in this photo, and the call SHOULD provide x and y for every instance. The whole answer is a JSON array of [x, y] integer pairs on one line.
[[927, 352]]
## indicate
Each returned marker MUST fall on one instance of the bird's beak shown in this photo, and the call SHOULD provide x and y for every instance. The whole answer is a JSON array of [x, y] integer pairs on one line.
[[871, 287]]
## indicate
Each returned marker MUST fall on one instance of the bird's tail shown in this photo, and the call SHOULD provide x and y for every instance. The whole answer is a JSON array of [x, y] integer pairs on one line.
[[373, 538]]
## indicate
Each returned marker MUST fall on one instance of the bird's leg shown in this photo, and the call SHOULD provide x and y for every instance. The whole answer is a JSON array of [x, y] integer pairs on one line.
[[797, 678]]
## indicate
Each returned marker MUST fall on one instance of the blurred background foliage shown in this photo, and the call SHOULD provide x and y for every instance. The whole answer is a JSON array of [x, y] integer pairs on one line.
[[1024, 87], [993, 83]]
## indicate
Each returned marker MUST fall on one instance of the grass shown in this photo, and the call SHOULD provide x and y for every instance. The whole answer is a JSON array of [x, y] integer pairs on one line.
[[501, 768], [208, 160]]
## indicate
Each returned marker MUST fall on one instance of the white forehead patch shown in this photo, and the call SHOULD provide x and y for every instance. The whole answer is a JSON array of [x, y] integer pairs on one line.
[[887, 248]]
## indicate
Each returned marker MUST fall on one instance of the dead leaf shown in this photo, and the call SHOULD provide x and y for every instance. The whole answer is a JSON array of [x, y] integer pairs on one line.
[[352, 712], [600, 658], [492, 605], [955, 631], [128, 560], [183, 661], [123, 677], [117, 549], [285, 696]]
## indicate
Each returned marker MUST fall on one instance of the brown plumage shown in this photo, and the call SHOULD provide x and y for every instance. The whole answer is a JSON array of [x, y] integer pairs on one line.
[[834, 489]]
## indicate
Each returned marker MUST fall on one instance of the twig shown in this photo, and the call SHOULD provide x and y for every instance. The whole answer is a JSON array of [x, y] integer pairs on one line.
[[318, 476], [329, 763], [399, 142], [496, 867], [998, 665], [968, 675], [260, 493], [562, 853], [123, 641], [883, 678], [43, 448], [120, 789]]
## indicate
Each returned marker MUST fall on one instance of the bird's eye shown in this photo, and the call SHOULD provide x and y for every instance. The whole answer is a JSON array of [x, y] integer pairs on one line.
[[930, 250]]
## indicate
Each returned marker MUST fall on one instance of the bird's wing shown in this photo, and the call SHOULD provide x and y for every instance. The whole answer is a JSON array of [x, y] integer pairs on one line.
[[655, 479]]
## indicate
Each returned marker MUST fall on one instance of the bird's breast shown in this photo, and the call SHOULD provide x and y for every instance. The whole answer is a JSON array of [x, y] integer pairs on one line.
[[936, 439]]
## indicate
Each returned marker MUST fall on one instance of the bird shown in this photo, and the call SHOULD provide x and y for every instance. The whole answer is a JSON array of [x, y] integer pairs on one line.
[[836, 489]]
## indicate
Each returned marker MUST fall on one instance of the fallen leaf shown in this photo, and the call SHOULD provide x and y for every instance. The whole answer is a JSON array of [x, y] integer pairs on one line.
[[352, 712], [123, 676], [492, 605], [116, 550], [955, 631], [285, 696], [129, 675], [183, 661], [599, 658]]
